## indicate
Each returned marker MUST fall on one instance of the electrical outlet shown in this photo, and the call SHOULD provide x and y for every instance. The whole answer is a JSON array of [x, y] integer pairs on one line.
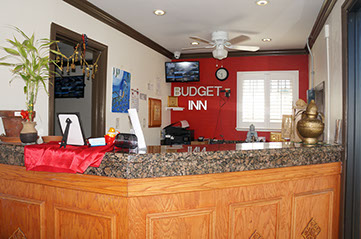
[[117, 123], [143, 122]]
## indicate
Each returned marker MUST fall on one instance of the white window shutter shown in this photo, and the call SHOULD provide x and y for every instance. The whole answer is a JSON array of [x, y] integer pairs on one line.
[[263, 97], [253, 100]]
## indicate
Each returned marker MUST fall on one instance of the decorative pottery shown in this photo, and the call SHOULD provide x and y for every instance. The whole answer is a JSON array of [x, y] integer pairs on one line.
[[50, 138], [28, 134], [310, 127], [12, 124]]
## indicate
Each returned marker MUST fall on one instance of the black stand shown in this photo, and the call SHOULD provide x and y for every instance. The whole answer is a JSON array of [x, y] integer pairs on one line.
[[66, 132]]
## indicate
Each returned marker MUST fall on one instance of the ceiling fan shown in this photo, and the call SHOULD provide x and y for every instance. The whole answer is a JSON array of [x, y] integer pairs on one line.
[[220, 42]]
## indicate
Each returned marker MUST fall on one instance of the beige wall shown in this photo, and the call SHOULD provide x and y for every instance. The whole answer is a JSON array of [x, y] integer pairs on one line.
[[320, 64], [144, 64]]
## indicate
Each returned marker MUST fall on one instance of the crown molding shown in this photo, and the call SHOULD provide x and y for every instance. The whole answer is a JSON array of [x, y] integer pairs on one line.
[[244, 53], [108, 19], [111, 21], [325, 11]]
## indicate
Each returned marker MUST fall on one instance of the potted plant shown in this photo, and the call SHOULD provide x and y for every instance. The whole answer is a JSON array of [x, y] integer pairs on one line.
[[29, 61]]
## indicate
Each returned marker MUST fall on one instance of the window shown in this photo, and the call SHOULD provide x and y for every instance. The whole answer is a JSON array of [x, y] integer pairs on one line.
[[263, 97]]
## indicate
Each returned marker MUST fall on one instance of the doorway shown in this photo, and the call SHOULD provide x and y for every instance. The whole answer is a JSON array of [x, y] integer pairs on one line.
[[97, 86]]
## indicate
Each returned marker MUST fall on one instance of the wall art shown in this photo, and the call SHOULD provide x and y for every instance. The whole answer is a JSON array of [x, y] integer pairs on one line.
[[121, 91]]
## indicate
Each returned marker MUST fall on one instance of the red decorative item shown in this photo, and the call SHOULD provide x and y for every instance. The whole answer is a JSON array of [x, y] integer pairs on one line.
[[109, 139], [25, 115], [74, 159]]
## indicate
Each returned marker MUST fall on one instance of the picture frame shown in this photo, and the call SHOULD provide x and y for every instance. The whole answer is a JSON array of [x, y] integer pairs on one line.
[[172, 101], [286, 130], [75, 133], [154, 112], [276, 137]]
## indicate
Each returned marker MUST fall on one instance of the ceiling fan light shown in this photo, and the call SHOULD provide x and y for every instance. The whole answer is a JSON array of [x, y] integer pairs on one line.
[[262, 2], [195, 43], [219, 53]]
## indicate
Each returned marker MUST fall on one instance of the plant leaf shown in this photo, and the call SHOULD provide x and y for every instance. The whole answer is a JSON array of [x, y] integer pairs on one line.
[[22, 51], [21, 32], [6, 64], [4, 57], [25, 78], [13, 42], [17, 68], [11, 51], [57, 53], [32, 40]]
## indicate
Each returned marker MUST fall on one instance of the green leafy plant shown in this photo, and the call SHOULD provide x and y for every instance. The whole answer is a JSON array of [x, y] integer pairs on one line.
[[29, 60]]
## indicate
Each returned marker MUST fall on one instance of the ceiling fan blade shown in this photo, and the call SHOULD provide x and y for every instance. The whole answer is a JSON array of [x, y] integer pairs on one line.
[[243, 48], [239, 39], [201, 40], [196, 48]]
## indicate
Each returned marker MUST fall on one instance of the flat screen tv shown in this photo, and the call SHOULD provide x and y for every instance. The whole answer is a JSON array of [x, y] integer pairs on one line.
[[182, 71], [69, 87]]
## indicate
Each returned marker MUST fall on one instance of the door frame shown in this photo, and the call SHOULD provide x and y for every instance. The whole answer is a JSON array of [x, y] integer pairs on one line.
[[98, 113], [350, 177]]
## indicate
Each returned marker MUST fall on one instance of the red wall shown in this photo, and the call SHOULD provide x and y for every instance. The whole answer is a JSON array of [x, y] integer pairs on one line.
[[217, 121]]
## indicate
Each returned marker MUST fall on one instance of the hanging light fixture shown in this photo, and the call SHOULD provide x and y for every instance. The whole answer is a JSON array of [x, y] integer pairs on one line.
[[220, 53]]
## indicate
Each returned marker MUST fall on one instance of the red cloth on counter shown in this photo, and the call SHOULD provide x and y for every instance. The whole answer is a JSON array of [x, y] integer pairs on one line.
[[73, 159]]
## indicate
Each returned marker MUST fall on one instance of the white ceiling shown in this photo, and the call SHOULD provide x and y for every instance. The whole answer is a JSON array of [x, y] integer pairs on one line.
[[287, 22]]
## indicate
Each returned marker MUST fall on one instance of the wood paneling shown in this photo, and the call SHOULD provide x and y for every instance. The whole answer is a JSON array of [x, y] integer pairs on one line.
[[88, 183], [195, 223], [313, 210], [166, 185], [75, 223], [26, 214], [273, 203], [179, 184], [254, 218]]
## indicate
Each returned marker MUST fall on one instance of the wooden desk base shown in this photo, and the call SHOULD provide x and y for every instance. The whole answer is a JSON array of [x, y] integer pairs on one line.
[[272, 203]]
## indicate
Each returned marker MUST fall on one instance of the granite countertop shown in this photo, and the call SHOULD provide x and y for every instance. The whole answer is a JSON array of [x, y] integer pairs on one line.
[[163, 161]]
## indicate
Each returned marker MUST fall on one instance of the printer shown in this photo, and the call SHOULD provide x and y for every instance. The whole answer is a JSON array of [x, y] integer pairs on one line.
[[177, 133]]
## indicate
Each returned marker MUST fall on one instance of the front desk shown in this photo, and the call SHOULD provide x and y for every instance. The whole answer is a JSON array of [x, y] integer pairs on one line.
[[260, 190]]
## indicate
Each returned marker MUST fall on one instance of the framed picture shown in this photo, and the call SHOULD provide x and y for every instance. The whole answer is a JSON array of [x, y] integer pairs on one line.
[[154, 112], [286, 131], [75, 132], [172, 101], [276, 137]]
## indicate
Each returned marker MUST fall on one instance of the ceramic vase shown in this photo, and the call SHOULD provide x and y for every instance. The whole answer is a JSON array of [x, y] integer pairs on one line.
[[28, 134]]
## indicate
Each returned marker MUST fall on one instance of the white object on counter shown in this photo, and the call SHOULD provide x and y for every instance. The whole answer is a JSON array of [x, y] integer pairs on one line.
[[184, 123], [97, 141], [137, 129]]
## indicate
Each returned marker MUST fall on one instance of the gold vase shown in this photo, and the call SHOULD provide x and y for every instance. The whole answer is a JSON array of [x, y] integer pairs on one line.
[[310, 127], [28, 134]]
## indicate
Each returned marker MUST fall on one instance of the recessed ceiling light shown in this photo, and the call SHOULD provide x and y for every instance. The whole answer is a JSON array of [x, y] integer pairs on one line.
[[159, 12], [262, 2], [194, 43], [266, 39]]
